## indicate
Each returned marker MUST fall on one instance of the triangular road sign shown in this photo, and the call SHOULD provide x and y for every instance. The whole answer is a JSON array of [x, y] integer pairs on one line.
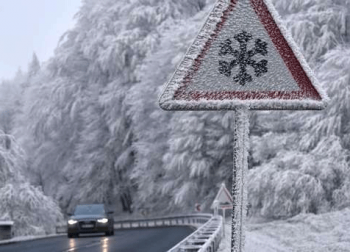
[[243, 55], [223, 198]]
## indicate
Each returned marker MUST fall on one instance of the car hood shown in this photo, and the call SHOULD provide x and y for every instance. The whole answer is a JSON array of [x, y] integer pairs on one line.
[[83, 217]]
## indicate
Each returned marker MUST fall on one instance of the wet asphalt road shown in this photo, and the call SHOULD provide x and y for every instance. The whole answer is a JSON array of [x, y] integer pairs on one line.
[[133, 240]]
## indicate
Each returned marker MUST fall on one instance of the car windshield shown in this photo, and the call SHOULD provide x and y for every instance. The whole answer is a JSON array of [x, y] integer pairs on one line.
[[89, 209]]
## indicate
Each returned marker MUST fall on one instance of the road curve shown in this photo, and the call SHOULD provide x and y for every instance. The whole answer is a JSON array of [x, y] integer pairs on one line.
[[132, 240]]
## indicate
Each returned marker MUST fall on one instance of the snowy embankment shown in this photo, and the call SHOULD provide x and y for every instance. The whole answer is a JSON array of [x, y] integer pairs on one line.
[[328, 232]]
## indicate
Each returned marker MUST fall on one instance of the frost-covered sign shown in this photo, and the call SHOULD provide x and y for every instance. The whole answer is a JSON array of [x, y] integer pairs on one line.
[[243, 55], [243, 58], [223, 197]]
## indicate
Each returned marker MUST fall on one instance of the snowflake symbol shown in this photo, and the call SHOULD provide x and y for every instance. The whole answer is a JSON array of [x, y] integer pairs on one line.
[[243, 58]]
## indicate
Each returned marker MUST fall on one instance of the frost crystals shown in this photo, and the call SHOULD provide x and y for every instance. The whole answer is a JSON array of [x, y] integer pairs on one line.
[[243, 58]]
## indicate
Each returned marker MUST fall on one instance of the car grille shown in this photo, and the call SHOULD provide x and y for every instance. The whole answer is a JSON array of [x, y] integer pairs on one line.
[[86, 224]]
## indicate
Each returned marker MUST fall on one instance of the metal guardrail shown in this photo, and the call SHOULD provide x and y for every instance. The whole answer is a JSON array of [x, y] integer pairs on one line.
[[205, 239], [194, 220]]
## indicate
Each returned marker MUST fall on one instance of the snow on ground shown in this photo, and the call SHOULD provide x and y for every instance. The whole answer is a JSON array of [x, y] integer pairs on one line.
[[328, 232]]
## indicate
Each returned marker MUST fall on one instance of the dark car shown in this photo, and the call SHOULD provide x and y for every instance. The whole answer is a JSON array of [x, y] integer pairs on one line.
[[92, 218]]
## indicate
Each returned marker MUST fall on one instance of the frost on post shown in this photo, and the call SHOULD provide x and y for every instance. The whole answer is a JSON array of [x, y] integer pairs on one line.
[[240, 167], [243, 58]]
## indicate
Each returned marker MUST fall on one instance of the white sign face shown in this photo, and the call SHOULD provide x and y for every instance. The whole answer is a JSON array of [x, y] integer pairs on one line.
[[243, 56]]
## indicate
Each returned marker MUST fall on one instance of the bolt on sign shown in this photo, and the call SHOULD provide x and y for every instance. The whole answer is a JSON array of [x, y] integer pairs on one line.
[[243, 58]]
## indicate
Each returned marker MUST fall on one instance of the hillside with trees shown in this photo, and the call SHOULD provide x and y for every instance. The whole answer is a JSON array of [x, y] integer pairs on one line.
[[89, 127]]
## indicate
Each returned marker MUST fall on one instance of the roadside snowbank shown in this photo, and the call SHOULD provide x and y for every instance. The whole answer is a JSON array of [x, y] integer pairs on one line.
[[328, 232]]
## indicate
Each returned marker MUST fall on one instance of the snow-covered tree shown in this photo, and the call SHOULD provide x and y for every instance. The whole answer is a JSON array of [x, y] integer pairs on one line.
[[294, 181], [10, 102], [154, 129], [78, 114], [32, 212], [334, 121], [199, 158], [316, 25], [93, 130], [9, 105], [33, 67], [303, 167]]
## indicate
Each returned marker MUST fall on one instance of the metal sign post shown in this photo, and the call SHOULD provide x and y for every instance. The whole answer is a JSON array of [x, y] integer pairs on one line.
[[239, 185], [216, 207], [223, 221]]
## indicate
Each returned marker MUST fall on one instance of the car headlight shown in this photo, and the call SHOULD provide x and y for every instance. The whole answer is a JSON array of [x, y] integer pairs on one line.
[[72, 222], [103, 220]]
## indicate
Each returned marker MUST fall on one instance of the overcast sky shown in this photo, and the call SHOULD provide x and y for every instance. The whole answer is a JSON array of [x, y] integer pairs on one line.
[[28, 26]]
